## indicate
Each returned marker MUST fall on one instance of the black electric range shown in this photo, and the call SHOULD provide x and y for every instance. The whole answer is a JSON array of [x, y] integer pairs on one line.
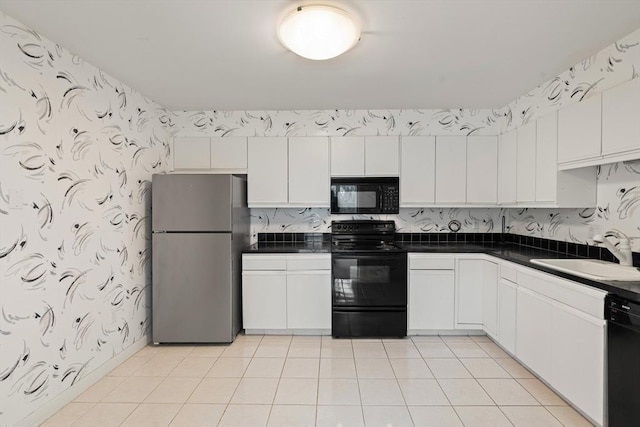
[[369, 280]]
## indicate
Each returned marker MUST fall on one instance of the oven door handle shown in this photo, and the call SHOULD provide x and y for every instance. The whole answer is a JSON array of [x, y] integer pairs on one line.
[[368, 255], [361, 308]]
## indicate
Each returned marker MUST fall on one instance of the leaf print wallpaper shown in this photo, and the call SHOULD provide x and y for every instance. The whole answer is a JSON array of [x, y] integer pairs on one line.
[[77, 150]]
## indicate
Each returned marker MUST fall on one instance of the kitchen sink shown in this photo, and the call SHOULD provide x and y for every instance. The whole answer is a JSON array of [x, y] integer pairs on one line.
[[591, 269]]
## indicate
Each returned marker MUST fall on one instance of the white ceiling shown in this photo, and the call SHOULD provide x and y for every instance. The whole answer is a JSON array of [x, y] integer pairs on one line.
[[224, 54]]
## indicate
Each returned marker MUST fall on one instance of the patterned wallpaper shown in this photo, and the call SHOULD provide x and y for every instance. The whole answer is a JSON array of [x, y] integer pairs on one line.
[[618, 184], [78, 148], [416, 220]]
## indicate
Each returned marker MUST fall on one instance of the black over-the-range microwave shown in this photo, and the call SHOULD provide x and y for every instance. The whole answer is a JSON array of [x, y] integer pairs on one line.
[[365, 195]]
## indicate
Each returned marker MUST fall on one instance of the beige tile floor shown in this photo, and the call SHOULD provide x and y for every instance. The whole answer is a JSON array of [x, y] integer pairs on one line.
[[319, 381]]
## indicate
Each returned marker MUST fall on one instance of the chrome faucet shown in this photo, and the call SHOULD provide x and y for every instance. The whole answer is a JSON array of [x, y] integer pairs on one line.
[[623, 249]]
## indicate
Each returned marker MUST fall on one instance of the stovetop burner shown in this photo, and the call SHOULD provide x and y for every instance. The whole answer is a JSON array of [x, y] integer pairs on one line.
[[363, 236]]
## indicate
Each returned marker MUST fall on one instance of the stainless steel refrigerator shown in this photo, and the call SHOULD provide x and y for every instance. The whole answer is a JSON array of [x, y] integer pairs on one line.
[[200, 224]]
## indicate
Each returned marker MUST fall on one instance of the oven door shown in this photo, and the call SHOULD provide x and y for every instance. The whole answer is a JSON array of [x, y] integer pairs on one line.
[[369, 280], [347, 198]]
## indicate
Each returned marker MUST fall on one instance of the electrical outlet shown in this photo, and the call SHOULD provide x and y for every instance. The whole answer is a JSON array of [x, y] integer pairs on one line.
[[16, 198]]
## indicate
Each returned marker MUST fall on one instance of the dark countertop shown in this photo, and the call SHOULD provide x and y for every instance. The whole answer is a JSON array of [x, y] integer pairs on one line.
[[522, 255], [507, 251], [288, 247]]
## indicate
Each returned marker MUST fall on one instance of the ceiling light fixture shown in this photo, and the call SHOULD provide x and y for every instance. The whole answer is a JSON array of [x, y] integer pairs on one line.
[[318, 32]]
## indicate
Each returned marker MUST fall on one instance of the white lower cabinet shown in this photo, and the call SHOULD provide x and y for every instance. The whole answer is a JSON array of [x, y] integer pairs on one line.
[[560, 335], [507, 297], [264, 299], [308, 299], [490, 298], [286, 292], [431, 293], [533, 331], [469, 293], [577, 362]]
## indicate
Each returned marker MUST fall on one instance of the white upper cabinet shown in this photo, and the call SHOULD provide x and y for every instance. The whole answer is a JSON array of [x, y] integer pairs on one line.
[[507, 167], [191, 152], [347, 156], [365, 156], [290, 172], [451, 171], [526, 163], [528, 169], [482, 169], [580, 130], [604, 128], [309, 171], [546, 172], [417, 171], [381, 156], [621, 119], [267, 182], [213, 155], [229, 154]]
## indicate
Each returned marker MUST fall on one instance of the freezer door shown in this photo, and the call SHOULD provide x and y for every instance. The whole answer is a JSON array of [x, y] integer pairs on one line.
[[190, 202], [192, 288]]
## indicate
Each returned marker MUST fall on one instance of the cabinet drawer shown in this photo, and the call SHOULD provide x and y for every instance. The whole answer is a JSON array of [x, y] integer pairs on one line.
[[264, 262], [581, 297], [308, 262], [508, 273], [417, 262]]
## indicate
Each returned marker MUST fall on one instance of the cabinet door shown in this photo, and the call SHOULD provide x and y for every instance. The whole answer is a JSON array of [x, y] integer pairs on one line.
[[533, 332], [381, 155], [507, 315], [482, 169], [347, 156], [490, 298], [191, 153], [309, 171], [267, 172], [469, 275], [417, 171], [451, 169], [264, 300], [526, 163], [578, 359], [580, 130], [621, 118], [431, 299], [309, 300], [507, 162], [229, 153], [547, 158]]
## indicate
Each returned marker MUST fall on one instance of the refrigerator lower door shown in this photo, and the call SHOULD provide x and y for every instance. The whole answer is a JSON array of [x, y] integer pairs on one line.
[[192, 288]]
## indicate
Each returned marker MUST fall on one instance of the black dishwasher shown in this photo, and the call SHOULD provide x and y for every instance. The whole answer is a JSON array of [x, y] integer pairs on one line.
[[623, 361]]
